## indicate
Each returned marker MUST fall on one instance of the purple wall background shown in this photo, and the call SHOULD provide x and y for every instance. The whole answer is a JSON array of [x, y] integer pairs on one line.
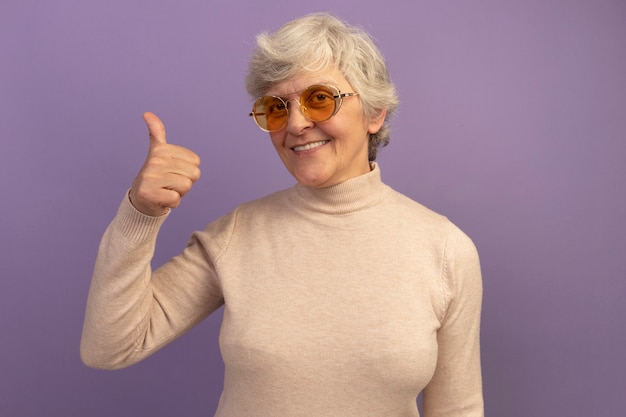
[[512, 123]]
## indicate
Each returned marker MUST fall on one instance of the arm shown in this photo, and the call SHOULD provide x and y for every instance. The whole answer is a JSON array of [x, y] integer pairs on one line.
[[120, 293], [132, 311], [456, 387]]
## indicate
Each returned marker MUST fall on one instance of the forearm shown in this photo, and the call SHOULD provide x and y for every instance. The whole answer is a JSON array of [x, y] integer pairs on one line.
[[120, 298]]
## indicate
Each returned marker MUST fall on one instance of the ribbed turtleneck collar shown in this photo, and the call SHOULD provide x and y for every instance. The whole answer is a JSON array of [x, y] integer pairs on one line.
[[352, 195]]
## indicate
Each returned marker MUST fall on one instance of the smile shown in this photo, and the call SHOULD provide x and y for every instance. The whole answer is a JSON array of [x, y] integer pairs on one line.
[[310, 146]]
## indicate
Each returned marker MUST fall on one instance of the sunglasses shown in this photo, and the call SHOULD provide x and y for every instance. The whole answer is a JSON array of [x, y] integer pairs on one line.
[[318, 103]]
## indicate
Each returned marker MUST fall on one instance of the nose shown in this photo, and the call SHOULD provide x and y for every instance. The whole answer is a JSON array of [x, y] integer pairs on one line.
[[297, 121]]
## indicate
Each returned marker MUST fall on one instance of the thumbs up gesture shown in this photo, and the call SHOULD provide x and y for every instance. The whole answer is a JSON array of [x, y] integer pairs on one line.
[[167, 175]]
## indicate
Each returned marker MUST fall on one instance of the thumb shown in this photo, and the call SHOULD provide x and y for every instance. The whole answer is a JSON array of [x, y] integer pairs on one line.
[[156, 129]]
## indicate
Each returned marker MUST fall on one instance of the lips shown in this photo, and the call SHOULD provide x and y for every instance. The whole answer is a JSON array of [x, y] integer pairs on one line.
[[311, 145]]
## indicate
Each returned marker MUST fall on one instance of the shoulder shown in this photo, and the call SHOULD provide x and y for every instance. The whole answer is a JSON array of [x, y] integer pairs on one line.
[[267, 202], [242, 219], [452, 243], [415, 216], [253, 209], [417, 208]]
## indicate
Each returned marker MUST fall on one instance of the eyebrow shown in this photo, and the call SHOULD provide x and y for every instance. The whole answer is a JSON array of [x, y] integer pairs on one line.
[[332, 83]]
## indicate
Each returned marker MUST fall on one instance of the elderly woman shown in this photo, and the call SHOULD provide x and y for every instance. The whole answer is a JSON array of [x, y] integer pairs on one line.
[[341, 296]]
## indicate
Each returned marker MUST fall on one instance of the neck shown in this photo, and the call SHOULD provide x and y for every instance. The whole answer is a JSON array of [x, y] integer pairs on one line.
[[348, 196]]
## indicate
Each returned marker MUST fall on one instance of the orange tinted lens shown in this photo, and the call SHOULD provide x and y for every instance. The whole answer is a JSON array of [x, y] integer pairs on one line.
[[318, 102], [270, 113]]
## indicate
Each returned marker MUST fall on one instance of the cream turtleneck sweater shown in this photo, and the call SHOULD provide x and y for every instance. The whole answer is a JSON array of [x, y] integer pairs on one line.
[[345, 301]]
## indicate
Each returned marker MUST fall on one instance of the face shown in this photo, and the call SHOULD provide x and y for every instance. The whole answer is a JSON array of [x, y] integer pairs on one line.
[[321, 154]]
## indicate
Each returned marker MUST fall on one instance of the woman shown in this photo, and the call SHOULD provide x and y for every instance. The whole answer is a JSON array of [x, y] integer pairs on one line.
[[341, 296]]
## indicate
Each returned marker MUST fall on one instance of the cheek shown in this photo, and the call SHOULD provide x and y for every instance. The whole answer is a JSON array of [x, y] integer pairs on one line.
[[277, 139], [352, 123], [349, 134]]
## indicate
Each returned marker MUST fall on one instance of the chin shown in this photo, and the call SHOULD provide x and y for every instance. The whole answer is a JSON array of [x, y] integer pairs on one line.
[[314, 183], [312, 179]]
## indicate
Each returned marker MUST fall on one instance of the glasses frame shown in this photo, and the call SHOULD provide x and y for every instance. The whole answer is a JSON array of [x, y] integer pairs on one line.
[[338, 97]]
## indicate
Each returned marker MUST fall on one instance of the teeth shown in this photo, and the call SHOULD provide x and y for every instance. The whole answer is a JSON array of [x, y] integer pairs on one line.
[[309, 145]]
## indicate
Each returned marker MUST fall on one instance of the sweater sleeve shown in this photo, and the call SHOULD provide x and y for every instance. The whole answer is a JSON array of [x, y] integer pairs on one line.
[[133, 311], [456, 387]]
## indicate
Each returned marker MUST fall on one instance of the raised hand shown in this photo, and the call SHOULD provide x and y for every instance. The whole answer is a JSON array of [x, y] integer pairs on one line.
[[167, 175]]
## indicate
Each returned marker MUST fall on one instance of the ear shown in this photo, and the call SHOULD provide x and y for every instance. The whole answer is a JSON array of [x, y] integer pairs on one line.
[[376, 122]]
